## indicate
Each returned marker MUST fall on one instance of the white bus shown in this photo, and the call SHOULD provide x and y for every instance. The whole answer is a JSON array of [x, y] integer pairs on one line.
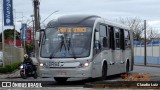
[[84, 46]]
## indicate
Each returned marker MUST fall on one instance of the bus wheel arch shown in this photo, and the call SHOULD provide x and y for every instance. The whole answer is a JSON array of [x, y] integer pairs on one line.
[[127, 66], [104, 70]]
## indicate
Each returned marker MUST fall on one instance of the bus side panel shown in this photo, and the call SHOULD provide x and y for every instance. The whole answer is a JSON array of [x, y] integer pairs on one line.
[[105, 55], [96, 71], [119, 58], [129, 52], [112, 68], [128, 56]]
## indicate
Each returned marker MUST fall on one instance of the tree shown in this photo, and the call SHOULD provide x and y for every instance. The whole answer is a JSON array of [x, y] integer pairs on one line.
[[9, 35], [137, 25], [153, 34]]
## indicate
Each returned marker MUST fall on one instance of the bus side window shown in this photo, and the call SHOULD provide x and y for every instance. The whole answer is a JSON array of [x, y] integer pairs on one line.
[[117, 37], [122, 46], [103, 36], [127, 39], [111, 37]]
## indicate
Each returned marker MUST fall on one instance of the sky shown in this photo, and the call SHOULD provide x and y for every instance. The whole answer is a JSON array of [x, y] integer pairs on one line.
[[110, 9]]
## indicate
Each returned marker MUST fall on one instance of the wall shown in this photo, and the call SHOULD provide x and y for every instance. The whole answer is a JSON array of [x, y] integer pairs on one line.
[[153, 54], [12, 54]]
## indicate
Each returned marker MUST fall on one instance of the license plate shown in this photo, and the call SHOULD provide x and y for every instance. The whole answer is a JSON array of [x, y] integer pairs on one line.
[[53, 64], [61, 73]]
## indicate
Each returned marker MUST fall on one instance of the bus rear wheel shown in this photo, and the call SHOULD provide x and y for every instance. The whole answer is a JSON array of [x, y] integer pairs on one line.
[[127, 68], [60, 79]]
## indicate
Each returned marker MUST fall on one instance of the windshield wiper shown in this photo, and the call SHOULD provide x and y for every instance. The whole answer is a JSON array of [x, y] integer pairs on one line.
[[63, 42], [53, 52], [69, 45], [59, 46]]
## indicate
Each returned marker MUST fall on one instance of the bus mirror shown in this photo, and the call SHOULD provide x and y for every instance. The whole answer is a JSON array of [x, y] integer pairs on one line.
[[97, 36], [97, 45], [37, 36]]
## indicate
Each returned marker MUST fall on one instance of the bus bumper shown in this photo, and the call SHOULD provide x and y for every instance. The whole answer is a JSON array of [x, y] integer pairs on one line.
[[65, 72]]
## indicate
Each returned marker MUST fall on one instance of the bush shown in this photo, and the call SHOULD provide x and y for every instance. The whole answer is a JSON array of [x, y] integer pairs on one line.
[[29, 48], [3, 70], [9, 68]]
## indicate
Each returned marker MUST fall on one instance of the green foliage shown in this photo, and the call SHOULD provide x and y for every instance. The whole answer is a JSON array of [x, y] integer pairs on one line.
[[29, 48], [3, 70], [9, 68], [9, 35]]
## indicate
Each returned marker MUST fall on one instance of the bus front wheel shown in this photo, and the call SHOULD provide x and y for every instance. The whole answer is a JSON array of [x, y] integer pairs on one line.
[[60, 79], [104, 72]]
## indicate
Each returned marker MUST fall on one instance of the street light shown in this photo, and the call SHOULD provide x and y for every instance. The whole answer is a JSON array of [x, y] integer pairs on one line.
[[49, 16]]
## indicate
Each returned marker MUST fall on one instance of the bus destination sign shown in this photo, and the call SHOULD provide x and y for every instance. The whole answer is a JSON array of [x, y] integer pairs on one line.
[[75, 29]]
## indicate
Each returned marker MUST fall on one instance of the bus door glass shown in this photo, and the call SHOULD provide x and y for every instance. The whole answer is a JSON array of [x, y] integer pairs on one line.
[[111, 44], [118, 52], [127, 45]]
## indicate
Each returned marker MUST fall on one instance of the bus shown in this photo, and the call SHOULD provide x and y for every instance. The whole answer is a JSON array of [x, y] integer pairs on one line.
[[84, 46]]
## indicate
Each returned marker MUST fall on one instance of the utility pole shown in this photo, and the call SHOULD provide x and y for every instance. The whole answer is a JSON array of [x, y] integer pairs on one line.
[[36, 15], [145, 51], [37, 24]]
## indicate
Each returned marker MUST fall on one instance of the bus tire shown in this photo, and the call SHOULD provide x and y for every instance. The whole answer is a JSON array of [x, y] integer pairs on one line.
[[127, 67], [60, 79], [104, 72]]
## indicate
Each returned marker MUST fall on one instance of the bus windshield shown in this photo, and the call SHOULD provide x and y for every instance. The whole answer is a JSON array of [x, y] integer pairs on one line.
[[66, 42]]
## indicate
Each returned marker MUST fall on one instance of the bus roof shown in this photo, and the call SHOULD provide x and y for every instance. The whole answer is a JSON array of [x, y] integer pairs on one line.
[[111, 23], [84, 20], [87, 20]]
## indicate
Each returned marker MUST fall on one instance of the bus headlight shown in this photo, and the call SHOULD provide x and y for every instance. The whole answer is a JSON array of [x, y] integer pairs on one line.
[[41, 64], [86, 64]]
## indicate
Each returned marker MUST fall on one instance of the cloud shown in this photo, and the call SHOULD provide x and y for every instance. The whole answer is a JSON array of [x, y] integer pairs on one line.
[[155, 23], [144, 9]]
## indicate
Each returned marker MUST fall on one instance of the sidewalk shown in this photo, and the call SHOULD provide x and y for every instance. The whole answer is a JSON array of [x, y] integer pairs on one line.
[[149, 65], [10, 75]]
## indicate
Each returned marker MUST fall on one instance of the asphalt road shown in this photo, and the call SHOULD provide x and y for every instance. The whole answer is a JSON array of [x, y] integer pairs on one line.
[[81, 83]]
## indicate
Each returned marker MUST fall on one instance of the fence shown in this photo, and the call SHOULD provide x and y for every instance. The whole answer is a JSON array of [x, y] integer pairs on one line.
[[12, 54], [153, 53]]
